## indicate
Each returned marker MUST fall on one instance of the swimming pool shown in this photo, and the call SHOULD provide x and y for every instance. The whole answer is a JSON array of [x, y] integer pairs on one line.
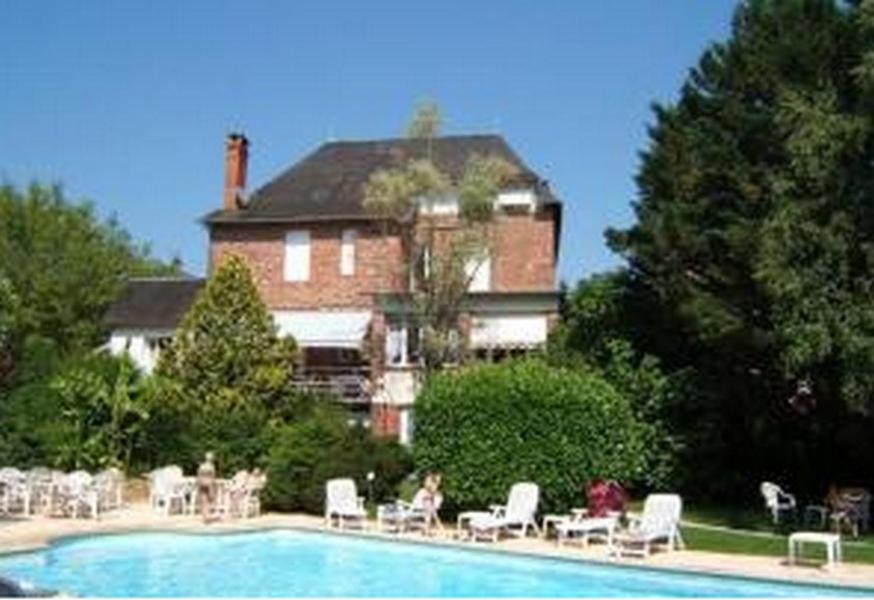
[[298, 563]]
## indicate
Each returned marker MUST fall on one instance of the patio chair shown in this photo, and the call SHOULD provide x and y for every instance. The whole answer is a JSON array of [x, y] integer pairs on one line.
[[40, 488], [402, 516], [109, 483], [776, 500], [78, 493], [514, 518], [14, 493], [659, 522], [343, 504], [167, 487]]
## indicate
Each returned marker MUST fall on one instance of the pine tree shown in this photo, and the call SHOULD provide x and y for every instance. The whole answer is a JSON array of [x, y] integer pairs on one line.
[[226, 348], [755, 233]]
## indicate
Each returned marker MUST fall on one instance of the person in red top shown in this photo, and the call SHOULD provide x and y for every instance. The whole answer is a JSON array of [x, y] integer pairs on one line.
[[605, 496]]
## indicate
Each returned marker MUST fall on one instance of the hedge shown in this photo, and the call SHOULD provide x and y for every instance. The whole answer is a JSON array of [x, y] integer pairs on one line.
[[488, 426]]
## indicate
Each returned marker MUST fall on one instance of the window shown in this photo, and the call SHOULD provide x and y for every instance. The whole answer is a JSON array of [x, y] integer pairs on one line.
[[402, 344], [297, 256], [347, 252], [479, 272]]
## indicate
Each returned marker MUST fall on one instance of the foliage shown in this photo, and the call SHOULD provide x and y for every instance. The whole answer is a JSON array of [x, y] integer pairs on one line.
[[525, 420], [226, 350], [754, 244], [321, 446], [439, 265], [596, 334], [60, 268], [226, 376], [88, 414], [426, 122]]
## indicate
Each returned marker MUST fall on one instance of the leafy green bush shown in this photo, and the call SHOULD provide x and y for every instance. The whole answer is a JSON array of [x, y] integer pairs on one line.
[[489, 426], [321, 446], [88, 414]]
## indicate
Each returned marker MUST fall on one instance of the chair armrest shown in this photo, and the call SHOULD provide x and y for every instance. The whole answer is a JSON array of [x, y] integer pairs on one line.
[[580, 513], [497, 509]]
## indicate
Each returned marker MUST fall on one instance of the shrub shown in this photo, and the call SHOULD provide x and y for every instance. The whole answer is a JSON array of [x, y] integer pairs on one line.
[[321, 446], [489, 426]]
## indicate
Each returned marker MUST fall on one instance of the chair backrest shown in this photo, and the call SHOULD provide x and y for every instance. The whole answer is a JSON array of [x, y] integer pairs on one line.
[[78, 482], [661, 514], [522, 502], [341, 496], [12, 476], [165, 479], [771, 493]]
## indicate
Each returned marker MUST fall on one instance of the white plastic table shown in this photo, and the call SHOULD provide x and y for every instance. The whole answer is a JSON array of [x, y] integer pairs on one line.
[[464, 520], [831, 541], [586, 527]]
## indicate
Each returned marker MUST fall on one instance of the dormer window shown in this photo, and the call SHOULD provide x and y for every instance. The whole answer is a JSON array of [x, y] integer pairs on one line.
[[522, 200]]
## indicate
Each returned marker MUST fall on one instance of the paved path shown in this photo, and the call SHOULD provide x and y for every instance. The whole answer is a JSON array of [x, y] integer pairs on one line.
[[26, 534]]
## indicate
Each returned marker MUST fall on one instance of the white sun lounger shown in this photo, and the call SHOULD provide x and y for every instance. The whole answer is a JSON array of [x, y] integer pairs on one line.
[[342, 503], [515, 518], [659, 523]]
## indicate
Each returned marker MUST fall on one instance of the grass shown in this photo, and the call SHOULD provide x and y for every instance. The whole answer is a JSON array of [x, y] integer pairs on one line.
[[748, 531]]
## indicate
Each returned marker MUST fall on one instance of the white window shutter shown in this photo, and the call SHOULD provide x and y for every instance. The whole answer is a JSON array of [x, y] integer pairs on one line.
[[347, 252], [479, 272], [297, 256]]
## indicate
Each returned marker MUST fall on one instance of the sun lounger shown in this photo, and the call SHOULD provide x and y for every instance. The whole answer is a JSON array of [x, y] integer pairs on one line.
[[515, 518]]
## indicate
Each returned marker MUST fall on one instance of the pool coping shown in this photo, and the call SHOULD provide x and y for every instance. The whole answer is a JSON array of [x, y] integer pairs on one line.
[[798, 576]]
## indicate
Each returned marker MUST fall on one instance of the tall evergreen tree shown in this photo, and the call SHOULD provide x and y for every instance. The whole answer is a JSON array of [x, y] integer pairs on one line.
[[754, 233]]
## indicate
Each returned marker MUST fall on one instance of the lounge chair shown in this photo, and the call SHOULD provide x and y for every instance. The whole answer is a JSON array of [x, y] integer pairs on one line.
[[514, 518], [402, 516], [660, 522], [343, 504], [776, 500]]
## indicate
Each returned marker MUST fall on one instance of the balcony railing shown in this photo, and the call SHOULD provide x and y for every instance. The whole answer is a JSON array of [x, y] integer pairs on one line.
[[349, 385]]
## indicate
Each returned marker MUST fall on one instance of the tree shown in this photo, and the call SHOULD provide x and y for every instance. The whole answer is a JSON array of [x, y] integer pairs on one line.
[[754, 239], [227, 372], [426, 122], [60, 268], [440, 265]]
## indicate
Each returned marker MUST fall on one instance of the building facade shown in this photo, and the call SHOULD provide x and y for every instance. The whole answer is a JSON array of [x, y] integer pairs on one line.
[[334, 276]]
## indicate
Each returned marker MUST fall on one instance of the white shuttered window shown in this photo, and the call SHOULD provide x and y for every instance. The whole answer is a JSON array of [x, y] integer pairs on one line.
[[347, 252], [297, 256]]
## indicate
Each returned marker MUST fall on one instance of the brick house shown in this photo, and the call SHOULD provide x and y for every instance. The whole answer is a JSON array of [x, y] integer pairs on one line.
[[333, 276]]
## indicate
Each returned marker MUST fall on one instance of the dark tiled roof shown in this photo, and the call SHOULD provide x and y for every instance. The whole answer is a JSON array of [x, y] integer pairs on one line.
[[329, 183], [154, 303]]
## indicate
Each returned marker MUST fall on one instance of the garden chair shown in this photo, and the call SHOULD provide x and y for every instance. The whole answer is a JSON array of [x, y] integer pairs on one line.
[[109, 483], [404, 516], [78, 493], [343, 503], [14, 493], [776, 500], [659, 522], [167, 487], [515, 518]]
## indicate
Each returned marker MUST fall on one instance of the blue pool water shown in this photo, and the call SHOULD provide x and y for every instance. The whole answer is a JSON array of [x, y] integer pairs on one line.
[[296, 563]]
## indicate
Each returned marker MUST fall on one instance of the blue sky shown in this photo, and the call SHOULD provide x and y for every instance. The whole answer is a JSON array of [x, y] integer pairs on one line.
[[127, 103]]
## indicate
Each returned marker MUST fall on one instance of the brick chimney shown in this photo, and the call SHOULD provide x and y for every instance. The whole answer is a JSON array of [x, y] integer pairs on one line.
[[236, 162]]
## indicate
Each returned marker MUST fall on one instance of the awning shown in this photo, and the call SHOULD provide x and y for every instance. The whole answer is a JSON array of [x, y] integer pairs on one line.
[[508, 331], [323, 329]]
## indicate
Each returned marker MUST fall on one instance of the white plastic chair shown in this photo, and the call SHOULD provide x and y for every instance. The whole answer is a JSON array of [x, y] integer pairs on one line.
[[109, 483], [776, 500], [167, 487], [659, 522], [14, 492], [79, 492], [343, 503], [515, 518]]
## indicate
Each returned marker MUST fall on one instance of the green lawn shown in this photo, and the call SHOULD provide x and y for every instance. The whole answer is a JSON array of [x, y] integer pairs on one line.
[[752, 533]]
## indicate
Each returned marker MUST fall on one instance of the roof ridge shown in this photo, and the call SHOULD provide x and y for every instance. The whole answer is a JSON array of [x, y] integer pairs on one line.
[[438, 138]]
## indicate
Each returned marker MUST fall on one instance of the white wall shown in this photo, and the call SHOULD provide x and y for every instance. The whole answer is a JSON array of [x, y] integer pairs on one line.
[[141, 346]]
